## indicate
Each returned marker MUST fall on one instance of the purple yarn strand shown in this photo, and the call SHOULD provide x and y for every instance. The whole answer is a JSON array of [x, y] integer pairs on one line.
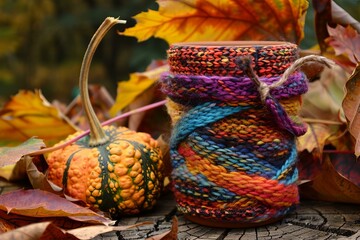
[[227, 89]]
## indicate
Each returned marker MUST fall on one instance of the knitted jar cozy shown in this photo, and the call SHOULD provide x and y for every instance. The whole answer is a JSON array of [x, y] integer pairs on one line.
[[233, 150]]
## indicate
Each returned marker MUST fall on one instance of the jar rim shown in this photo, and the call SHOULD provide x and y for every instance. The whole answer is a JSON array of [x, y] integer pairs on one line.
[[232, 43]]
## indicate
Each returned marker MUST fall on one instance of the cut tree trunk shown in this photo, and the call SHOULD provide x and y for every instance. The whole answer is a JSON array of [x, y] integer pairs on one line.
[[312, 220]]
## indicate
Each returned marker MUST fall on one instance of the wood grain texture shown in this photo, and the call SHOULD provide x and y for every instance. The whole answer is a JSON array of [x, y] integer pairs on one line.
[[311, 221]]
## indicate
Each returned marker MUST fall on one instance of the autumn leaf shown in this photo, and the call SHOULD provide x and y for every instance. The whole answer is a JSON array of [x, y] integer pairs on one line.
[[50, 231], [216, 20], [139, 91], [42, 204], [351, 105], [129, 90], [323, 100], [314, 139], [15, 167], [43, 230], [332, 184], [101, 101], [29, 114], [345, 40], [328, 13], [10, 155], [323, 17], [6, 226], [26, 170]]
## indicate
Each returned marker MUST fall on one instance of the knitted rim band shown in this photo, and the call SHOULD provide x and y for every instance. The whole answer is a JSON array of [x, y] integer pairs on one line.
[[234, 159], [269, 58]]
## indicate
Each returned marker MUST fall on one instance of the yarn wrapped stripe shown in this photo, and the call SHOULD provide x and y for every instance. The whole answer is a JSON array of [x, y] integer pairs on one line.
[[240, 183], [227, 89], [233, 147], [268, 61]]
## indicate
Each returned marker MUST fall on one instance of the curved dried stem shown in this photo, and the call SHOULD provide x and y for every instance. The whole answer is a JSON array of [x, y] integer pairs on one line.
[[97, 134]]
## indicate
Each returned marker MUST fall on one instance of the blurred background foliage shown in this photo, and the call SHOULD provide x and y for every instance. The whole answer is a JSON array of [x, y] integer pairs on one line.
[[42, 43]]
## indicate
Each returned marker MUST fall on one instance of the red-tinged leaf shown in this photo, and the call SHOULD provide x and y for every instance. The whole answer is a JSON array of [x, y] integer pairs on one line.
[[20, 221], [44, 204], [309, 166], [347, 166], [168, 235], [29, 114], [6, 226], [215, 20], [345, 40], [10, 155], [328, 13], [331, 185], [351, 106], [41, 231]]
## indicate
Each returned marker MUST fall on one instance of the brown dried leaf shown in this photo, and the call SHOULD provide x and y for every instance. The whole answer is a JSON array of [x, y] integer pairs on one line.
[[50, 231], [43, 204], [20, 221], [323, 100], [26, 169], [331, 185], [322, 9], [351, 106], [314, 139], [43, 231], [101, 101]]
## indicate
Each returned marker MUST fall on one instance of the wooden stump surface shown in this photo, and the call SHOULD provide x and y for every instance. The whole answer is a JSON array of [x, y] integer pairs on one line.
[[312, 220]]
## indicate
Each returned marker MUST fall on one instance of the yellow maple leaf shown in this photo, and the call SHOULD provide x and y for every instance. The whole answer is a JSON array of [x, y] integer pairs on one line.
[[219, 20], [29, 114], [137, 84]]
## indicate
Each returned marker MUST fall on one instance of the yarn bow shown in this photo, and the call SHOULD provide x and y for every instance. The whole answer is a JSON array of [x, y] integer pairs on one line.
[[293, 125]]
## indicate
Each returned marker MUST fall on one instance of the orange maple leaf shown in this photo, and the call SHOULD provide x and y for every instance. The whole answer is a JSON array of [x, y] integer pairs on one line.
[[216, 20], [29, 114]]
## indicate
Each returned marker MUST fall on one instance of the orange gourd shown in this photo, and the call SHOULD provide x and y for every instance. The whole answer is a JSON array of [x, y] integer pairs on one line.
[[115, 169]]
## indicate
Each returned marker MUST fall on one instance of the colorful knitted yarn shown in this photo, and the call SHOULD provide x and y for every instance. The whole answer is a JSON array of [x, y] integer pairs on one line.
[[233, 150]]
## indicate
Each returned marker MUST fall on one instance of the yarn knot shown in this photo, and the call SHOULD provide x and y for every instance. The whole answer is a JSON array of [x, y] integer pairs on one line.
[[264, 90], [244, 64]]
